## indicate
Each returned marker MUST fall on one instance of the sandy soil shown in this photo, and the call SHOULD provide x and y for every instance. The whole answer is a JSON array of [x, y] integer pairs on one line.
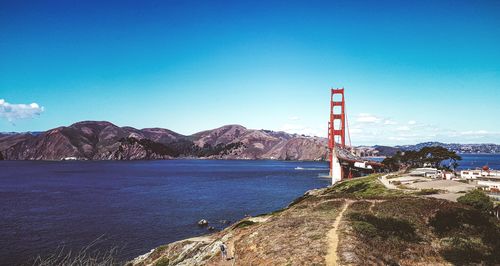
[[333, 238]]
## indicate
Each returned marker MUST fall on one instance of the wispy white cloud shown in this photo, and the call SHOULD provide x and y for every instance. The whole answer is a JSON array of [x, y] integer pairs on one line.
[[294, 118], [390, 122], [367, 118], [370, 129], [13, 112], [302, 130]]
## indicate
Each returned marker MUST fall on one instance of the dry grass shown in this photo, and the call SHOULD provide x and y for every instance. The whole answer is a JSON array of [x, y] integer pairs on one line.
[[87, 256]]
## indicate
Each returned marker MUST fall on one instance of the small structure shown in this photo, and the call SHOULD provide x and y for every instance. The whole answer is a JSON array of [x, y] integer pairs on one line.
[[425, 172], [470, 174], [492, 186], [484, 172]]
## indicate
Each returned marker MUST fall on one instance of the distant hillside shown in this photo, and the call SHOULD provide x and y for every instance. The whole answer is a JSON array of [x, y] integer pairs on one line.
[[458, 148], [101, 140]]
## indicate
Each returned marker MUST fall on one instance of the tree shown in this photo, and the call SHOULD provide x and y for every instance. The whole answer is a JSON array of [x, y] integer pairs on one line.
[[477, 199], [435, 155], [391, 163], [427, 155]]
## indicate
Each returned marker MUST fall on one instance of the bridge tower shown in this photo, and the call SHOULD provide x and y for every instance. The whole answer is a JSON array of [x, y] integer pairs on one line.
[[336, 132]]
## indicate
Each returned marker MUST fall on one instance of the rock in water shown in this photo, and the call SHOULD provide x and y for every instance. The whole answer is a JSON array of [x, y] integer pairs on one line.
[[203, 222]]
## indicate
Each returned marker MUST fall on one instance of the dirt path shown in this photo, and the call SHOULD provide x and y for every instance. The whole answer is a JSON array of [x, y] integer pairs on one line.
[[333, 238]]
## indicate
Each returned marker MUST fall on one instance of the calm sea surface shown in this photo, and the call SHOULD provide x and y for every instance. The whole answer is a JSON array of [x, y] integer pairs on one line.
[[136, 205], [471, 161]]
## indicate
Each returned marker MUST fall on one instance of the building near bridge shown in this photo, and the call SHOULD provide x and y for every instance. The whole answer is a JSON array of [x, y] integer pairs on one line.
[[483, 173], [491, 186]]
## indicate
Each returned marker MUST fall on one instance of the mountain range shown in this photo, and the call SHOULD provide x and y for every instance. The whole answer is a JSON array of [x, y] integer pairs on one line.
[[101, 140]]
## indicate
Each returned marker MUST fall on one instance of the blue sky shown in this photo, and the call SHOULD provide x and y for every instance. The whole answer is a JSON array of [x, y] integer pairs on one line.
[[420, 71]]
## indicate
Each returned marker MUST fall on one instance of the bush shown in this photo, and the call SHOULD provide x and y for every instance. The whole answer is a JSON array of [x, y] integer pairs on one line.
[[364, 228], [428, 191], [463, 250], [371, 225], [477, 199], [162, 262], [243, 224], [367, 187]]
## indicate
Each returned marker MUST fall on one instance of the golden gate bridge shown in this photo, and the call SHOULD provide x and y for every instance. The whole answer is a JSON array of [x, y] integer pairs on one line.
[[343, 163]]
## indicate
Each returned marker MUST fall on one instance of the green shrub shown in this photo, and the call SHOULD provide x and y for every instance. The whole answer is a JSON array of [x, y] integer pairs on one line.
[[162, 262], [329, 206], [463, 250], [384, 226], [428, 191], [243, 224], [366, 187], [364, 228], [477, 199]]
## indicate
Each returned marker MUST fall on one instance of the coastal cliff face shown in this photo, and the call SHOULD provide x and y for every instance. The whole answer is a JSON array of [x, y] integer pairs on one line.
[[97, 140], [357, 222]]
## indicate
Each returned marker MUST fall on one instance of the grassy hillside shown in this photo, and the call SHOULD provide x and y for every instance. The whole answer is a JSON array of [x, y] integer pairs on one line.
[[377, 226]]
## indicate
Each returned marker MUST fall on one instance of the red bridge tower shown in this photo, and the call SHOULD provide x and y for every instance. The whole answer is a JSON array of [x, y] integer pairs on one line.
[[336, 131]]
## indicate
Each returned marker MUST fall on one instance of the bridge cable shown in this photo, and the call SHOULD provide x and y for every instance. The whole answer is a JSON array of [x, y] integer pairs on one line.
[[347, 126]]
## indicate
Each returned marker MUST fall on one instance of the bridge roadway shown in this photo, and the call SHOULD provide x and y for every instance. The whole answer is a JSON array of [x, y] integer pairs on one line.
[[344, 154], [347, 165]]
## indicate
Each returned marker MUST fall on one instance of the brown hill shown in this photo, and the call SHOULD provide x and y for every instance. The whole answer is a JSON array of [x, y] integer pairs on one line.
[[101, 140]]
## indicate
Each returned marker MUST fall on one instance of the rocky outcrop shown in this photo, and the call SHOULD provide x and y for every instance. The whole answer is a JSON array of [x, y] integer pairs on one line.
[[100, 140]]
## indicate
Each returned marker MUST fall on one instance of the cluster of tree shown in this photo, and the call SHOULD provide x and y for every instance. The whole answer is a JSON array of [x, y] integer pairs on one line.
[[183, 148], [432, 156], [151, 146], [219, 149]]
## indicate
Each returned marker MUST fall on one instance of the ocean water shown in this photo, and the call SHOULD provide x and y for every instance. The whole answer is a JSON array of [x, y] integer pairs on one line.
[[472, 161], [136, 205]]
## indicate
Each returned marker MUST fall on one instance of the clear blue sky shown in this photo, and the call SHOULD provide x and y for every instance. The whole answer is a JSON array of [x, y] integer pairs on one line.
[[425, 70]]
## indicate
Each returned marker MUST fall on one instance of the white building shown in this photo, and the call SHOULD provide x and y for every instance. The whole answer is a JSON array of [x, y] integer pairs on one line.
[[425, 172], [492, 186], [479, 173], [447, 175]]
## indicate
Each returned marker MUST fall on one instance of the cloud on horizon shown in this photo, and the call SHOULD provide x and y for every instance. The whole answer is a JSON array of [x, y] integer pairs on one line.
[[371, 129], [13, 112]]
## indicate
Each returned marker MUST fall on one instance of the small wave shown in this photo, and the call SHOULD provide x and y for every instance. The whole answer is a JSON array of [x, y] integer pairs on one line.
[[311, 169]]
